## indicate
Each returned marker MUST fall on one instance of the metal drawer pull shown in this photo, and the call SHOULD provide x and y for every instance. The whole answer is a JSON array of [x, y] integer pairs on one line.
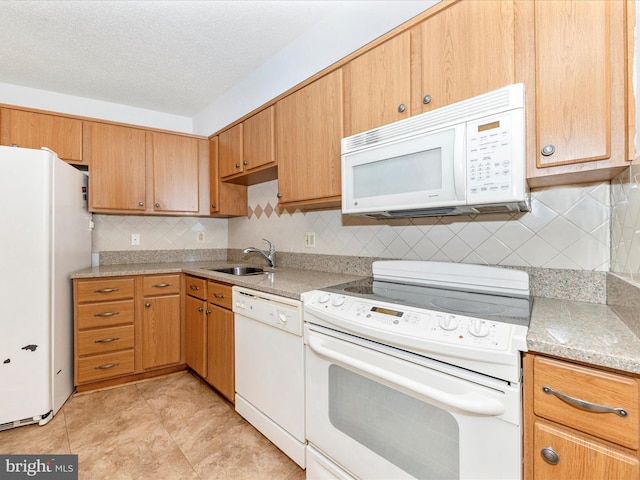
[[162, 285], [550, 455], [584, 405], [106, 290], [218, 295], [193, 287], [106, 314], [108, 365], [107, 340]]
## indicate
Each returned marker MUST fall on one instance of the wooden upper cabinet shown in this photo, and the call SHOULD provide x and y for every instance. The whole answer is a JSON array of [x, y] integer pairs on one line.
[[464, 50], [248, 148], [378, 86], [308, 133], [25, 129], [175, 162], [117, 158], [578, 75], [230, 151], [226, 199]]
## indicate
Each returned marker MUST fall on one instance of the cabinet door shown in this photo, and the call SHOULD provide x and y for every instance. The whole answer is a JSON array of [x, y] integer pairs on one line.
[[195, 330], [226, 199], [221, 358], [117, 158], [161, 331], [575, 47], [258, 139], [309, 130], [466, 49], [378, 86], [174, 160], [230, 151], [578, 457], [35, 130]]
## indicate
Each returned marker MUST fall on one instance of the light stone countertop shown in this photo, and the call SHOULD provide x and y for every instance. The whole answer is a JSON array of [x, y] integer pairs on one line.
[[286, 282], [584, 332], [574, 330]]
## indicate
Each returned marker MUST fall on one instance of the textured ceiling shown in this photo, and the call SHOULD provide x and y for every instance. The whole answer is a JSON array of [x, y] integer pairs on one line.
[[171, 56]]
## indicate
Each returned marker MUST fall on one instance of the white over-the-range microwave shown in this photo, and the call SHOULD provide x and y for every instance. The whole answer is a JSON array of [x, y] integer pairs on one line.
[[464, 158]]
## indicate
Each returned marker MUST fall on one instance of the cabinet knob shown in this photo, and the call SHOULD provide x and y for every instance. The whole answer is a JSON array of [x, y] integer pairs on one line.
[[550, 455], [200, 309], [237, 165], [279, 195], [147, 305], [157, 205], [548, 150], [426, 99], [141, 204], [207, 312], [402, 107], [244, 162], [213, 206]]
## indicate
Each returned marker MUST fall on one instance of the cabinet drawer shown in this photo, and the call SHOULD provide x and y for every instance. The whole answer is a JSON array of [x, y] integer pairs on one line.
[[103, 340], [161, 285], [587, 385], [96, 315], [196, 287], [220, 294], [99, 367], [104, 290]]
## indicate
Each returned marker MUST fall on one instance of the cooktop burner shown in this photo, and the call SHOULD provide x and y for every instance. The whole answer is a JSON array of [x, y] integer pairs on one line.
[[497, 307]]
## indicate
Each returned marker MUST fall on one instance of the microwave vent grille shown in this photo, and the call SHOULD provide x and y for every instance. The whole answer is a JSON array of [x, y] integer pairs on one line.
[[497, 101]]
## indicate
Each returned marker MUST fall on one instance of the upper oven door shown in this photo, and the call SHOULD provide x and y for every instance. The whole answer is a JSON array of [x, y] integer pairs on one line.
[[381, 417], [426, 170]]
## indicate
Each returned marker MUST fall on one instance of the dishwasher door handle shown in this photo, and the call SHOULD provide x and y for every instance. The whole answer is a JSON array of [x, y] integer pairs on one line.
[[472, 403]]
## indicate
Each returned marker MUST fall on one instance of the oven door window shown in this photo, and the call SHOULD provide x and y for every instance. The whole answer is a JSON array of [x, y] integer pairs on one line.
[[421, 439]]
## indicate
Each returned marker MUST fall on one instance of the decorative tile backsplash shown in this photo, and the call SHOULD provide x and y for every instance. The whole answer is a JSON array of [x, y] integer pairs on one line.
[[567, 228], [625, 223]]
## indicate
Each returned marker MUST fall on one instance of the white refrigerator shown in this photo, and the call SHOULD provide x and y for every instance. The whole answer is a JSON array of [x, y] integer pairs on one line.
[[45, 236]]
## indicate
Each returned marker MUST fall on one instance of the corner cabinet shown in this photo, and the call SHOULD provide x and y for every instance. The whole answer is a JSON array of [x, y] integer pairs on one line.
[[308, 134], [576, 65], [226, 199], [27, 129], [580, 422]]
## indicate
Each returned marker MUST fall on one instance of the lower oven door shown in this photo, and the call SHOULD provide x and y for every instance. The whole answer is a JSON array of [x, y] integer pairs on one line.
[[381, 413]]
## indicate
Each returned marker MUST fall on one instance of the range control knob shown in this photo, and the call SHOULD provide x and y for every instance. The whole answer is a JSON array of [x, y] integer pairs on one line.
[[324, 298], [448, 322], [337, 301], [479, 328]]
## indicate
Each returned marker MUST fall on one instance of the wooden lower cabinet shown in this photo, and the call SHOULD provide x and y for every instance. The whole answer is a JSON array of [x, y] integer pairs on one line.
[[220, 351], [195, 328], [563, 439], [126, 328]]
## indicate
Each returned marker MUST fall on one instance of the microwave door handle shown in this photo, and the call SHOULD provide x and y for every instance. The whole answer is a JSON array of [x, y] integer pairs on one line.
[[471, 403]]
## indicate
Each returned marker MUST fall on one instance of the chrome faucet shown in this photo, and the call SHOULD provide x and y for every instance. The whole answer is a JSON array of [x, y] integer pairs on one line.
[[271, 256]]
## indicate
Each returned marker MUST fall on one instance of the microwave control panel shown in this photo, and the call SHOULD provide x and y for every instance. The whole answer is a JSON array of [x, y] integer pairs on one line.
[[490, 159]]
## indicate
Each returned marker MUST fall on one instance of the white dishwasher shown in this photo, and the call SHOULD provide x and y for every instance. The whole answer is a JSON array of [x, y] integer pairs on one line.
[[269, 364]]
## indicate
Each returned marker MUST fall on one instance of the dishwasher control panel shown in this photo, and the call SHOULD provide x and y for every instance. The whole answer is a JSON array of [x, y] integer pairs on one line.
[[280, 312]]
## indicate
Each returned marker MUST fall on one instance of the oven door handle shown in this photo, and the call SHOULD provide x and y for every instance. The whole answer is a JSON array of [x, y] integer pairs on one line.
[[471, 403]]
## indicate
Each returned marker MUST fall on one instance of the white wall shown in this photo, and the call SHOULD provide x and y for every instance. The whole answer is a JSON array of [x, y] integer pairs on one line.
[[87, 107], [355, 24]]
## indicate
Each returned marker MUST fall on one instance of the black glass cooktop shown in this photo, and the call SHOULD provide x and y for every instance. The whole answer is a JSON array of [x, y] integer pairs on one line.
[[489, 306]]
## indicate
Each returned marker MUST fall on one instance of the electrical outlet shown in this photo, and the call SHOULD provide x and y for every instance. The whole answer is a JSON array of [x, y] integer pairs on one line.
[[310, 239], [200, 237], [135, 239]]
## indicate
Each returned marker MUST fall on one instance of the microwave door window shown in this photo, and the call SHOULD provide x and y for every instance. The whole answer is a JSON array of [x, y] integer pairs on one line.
[[411, 173]]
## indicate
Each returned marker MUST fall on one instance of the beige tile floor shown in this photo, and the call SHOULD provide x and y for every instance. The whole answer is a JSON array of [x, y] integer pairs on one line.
[[173, 427]]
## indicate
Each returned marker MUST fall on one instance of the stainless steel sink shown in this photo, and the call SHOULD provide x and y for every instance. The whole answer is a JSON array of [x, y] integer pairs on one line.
[[239, 270]]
